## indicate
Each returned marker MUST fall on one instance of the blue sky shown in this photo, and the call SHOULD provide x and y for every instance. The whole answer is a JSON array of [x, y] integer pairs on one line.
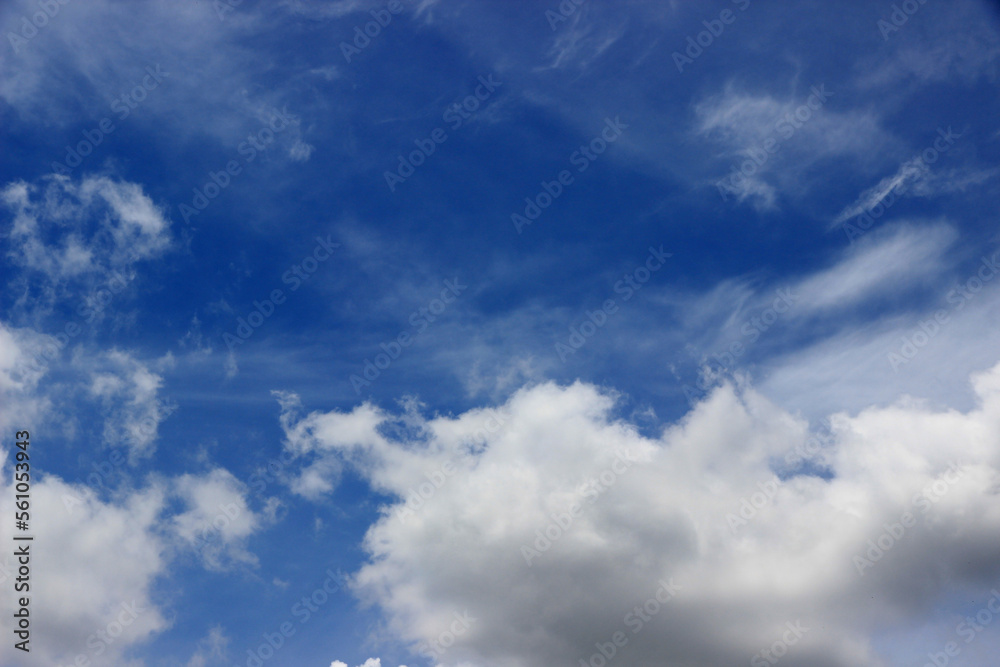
[[462, 266]]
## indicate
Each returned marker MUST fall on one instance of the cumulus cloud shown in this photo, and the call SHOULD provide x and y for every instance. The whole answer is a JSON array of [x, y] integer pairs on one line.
[[93, 565], [24, 355], [217, 521], [95, 562], [554, 532]]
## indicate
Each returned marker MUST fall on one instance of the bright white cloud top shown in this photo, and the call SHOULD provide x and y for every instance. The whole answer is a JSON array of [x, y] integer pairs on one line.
[[550, 534]]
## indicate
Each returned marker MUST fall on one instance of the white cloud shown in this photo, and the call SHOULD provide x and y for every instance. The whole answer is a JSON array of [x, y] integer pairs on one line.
[[97, 226], [370, 662], [852, 367], [581, 39], [667, 515], [909, 172], [916, 179], [949, 181], [763, 195], [329, 10], [739, 123], [136, 224], [888, 263], [21, 351], [129, 391], [218, 521], [24, 356], [899, 259], [301, 151], [212, 647], [329, 72], [958, 45], [93, 565]]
